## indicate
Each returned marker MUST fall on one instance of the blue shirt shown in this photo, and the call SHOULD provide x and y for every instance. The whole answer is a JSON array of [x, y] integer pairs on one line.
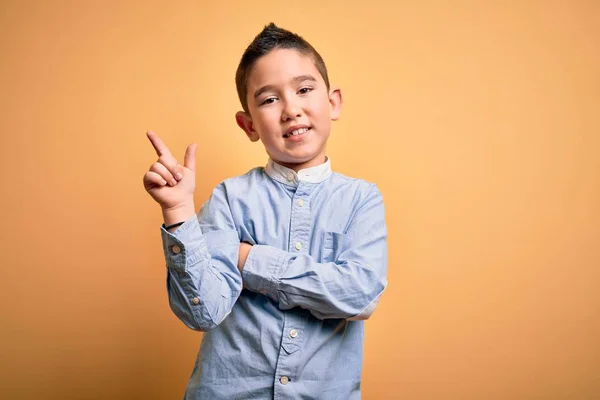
[[291, 325]]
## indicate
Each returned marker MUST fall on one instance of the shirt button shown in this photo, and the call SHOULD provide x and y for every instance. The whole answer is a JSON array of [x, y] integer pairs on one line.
[[176, 249], [298, 245], [284, 380], [195, 300], [293, 333], [263, 291], [290, 177], [300, 202]]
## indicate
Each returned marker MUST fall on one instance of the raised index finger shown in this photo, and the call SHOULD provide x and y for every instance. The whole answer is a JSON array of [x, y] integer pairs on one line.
[[158, 144]]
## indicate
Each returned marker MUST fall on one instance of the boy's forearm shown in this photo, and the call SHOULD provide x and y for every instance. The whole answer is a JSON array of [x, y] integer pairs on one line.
[[204, 282], [179, 214], [341, 289]]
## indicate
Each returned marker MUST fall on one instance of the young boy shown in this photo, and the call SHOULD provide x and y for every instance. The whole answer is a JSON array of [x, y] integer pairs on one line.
[[281, 265]]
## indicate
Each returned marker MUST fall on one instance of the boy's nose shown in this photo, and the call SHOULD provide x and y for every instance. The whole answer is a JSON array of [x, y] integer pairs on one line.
[[291, 110]]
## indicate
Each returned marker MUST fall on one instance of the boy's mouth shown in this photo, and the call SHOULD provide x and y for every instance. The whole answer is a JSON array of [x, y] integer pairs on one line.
[[296, 131]]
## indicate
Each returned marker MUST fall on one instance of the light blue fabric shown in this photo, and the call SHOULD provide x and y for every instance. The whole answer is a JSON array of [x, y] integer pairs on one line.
[[316, 270]]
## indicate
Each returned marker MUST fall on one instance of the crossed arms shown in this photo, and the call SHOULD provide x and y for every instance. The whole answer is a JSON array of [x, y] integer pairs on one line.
[[208, 267]]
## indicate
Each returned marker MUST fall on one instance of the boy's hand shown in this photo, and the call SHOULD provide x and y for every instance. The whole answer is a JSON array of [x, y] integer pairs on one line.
[[170, 184], [244, 250]]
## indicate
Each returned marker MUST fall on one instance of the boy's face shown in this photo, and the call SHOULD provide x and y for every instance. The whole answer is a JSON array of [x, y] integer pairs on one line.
[[290, 108]]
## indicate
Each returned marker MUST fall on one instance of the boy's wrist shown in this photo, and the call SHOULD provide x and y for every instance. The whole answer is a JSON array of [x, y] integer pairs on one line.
[[178, 214], [243, 255]]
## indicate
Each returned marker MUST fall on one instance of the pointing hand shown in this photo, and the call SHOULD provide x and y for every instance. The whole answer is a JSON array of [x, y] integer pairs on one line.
[[169, 183]]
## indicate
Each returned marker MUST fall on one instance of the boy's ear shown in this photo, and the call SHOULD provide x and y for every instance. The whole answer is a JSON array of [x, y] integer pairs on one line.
[[335, 100], [245, 122]]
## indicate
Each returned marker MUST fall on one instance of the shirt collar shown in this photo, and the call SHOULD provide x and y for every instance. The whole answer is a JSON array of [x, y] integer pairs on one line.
[[316, 174]]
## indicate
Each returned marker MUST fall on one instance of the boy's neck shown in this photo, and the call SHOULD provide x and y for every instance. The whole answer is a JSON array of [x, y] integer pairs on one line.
[[311, 163], [315, 174]]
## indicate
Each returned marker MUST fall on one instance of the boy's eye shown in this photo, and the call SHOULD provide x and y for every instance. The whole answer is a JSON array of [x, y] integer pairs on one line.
[[268, 100], [305, 90]]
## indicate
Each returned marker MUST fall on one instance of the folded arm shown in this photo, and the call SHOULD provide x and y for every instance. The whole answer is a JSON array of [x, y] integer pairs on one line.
[[348, 287]]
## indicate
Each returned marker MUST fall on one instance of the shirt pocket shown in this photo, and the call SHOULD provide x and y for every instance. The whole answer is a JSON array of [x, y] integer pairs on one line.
[[333, 245]]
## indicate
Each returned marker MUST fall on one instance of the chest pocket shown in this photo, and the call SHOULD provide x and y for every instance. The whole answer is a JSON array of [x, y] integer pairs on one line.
[[333, 245]]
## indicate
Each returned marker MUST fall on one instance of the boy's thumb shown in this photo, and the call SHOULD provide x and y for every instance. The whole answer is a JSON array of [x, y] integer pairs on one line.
[[190, 157]]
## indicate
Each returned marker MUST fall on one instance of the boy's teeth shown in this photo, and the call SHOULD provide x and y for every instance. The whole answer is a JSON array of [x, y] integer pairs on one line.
[[298, 131]]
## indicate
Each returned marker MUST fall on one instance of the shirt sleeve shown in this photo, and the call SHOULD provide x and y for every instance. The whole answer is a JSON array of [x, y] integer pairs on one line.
[[203, 281], [348, 287]]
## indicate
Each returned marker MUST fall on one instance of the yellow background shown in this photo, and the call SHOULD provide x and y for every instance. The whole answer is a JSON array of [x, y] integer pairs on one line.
[[479, 121]]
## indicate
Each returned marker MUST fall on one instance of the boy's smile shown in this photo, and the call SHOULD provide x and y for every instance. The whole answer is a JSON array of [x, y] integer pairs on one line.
[[296, 131], [290, 108]]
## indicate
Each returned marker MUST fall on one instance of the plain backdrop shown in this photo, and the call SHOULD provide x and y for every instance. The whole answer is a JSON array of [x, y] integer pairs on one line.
[[478, 120]]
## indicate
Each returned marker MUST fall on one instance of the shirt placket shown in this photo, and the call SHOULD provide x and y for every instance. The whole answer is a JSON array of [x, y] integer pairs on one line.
[[294, 321]]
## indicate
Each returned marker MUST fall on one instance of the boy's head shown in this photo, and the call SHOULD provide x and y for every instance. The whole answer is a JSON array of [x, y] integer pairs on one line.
[[273, 37], [286, 98]]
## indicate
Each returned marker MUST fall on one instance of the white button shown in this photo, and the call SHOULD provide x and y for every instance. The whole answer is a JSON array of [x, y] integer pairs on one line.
[[284, 380], [176, 249], [290, 177], [298, 246], [300, 203], [293, 333], [195, 300]]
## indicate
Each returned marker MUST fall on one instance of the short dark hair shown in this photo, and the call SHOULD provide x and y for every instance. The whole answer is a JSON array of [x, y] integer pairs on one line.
[[273, 37]]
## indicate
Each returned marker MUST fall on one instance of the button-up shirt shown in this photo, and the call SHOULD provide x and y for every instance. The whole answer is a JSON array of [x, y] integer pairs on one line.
[[291, 325]]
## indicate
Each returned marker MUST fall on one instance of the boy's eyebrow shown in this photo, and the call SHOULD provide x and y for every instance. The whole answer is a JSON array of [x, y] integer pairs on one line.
[[296, 79]]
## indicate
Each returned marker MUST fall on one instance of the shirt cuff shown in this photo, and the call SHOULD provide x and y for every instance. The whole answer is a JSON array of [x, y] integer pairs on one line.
[[185, 247], [264, 267]]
